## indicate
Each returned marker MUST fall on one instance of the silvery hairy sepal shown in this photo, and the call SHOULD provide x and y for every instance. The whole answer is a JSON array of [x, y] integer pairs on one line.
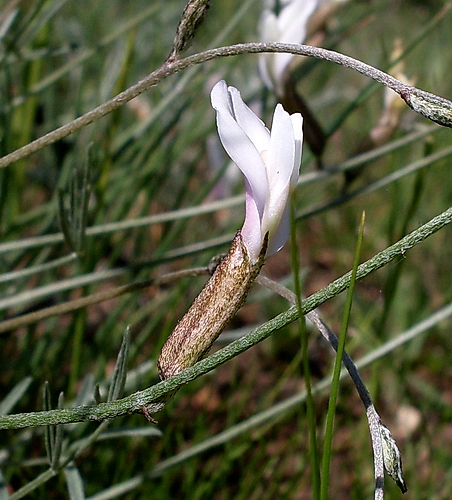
[[270, 163]]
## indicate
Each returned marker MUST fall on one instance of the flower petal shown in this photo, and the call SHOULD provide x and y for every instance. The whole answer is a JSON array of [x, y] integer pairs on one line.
[[281, 233], [293, 20], [297, 125], [282, 169], [251, 229], [268, 32], [290, 26], [269, 161], [238, 144], [281, 154], [253, 126]]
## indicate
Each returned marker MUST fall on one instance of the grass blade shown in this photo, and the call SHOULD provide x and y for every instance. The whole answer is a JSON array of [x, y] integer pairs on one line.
[[337, 370], [74, 482], [14, 395], [310, 409]]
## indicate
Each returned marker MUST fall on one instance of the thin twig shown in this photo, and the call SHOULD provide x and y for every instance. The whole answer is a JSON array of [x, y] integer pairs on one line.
[[136, 401], [372, 415], [431, 106], [74, 305], [387, 456]]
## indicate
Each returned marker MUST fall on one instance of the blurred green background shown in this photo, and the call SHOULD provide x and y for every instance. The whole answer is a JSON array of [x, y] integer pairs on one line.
[[149, 162]]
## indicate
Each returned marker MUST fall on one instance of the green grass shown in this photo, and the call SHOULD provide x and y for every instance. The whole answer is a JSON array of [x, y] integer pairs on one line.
[[235, 432]]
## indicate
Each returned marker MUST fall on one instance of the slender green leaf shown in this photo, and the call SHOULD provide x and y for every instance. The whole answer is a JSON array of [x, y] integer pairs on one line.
[[118, 380], [4, 493], [74, 482], [14, 395], [329, 429]]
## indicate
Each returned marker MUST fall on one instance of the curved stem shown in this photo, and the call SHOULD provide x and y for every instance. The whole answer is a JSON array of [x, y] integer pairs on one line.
[[73, 305], [431, 106], [136, 401], [371, 413]]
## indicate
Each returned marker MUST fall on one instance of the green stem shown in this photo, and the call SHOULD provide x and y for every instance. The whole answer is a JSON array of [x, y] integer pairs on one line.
[[310, 408], [431, 106], [73, 305], [337, 372], [77, 341], [135, 402]]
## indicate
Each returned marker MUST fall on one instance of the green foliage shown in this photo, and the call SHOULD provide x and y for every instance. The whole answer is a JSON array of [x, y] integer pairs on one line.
[[146, 190]]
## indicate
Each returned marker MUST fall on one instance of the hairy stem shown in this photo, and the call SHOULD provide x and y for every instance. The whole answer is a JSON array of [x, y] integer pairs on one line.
[[431, 106], [136, 401]]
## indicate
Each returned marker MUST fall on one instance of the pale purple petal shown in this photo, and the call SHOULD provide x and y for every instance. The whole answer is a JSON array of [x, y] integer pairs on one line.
[[282, 167], [273, 214], [268, 32], [279, 165], [270, 163], [290, 26], [280, 62]]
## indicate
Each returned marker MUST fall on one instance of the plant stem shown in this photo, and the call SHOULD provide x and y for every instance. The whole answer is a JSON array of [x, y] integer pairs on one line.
[[340, 350], [310, 407], [431, 106], [135, 402]]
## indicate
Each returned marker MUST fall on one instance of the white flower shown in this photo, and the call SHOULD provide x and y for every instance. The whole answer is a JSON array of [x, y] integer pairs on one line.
[[288, 26], [270, 162]]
